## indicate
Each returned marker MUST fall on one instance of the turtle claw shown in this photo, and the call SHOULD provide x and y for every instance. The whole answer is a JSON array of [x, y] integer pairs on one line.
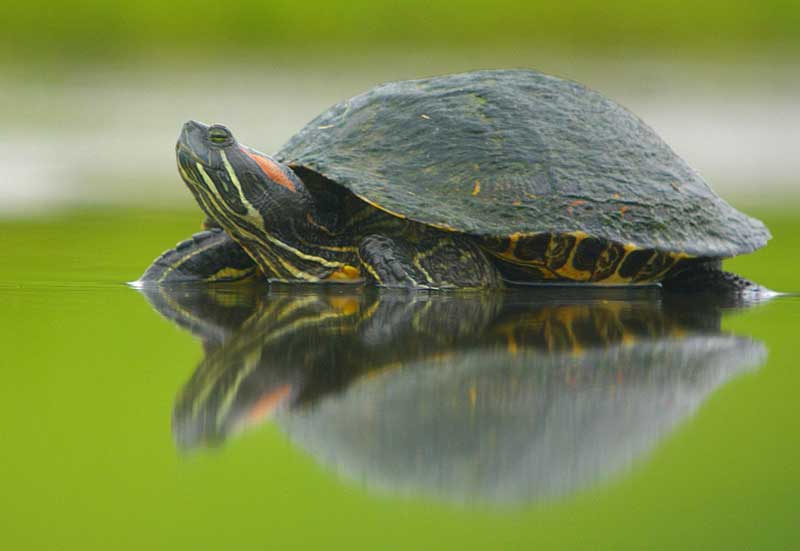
[[387, 263]]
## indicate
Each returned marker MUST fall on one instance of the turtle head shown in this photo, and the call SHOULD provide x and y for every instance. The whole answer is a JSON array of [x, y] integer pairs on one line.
[[259, 201], [235, 184]]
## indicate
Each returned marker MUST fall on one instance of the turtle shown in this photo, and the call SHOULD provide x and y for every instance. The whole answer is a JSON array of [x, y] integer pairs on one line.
[[474, 180]]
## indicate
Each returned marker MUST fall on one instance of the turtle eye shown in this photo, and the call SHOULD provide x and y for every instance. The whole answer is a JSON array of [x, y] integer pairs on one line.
[[219, 135]]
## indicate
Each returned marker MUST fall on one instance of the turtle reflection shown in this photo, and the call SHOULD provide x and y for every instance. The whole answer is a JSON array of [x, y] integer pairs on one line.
[[504, 398]]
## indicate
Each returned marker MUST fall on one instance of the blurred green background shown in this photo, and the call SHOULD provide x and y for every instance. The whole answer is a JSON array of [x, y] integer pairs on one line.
[[92, 95], [209, 31]]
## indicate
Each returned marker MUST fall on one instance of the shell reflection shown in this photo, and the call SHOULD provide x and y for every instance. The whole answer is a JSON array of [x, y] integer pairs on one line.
[[495, 398]]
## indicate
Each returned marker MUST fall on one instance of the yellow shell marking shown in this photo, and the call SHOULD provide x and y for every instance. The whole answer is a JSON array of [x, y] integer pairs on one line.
[[379, 207], [569, 272], [616, 278]]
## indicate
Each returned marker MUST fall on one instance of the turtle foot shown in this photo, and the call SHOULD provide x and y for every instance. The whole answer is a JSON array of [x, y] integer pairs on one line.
[[734, 289]]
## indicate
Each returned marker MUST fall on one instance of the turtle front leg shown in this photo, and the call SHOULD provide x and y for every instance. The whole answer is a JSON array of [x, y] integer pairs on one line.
[[440, 262], [207, 256]]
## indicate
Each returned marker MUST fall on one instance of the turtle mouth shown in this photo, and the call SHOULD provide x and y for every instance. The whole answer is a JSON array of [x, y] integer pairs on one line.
[[187, 156], [188, 162], [191, 142]]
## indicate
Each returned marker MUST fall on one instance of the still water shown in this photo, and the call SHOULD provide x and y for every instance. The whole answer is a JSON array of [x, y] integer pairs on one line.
[[242, 417]]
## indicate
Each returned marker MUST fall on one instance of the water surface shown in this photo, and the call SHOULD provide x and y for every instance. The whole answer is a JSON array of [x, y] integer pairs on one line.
[[244, 417]]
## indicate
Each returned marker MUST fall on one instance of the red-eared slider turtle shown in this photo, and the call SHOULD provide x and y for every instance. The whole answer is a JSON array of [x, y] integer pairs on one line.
[[467, 180]]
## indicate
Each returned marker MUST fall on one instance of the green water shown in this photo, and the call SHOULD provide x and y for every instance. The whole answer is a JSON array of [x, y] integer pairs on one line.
[[241, 419]]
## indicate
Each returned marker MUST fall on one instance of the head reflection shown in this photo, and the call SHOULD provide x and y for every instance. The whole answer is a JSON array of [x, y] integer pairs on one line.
[[496, 398]]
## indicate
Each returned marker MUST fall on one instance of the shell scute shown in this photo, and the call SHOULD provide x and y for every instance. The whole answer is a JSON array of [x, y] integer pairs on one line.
[[552, 156]]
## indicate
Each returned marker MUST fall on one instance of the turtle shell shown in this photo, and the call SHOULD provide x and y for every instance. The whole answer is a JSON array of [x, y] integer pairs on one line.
[[497, 153]]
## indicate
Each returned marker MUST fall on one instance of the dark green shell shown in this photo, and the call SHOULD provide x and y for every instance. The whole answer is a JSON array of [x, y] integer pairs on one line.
[[493, 153]]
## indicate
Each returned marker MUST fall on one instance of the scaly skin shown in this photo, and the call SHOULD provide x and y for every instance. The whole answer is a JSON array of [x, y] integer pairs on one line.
[[207, 256], [709, 278]]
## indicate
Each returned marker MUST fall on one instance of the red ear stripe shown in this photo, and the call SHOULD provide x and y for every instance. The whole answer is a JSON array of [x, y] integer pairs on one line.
[[272, 170], [269, 402]]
